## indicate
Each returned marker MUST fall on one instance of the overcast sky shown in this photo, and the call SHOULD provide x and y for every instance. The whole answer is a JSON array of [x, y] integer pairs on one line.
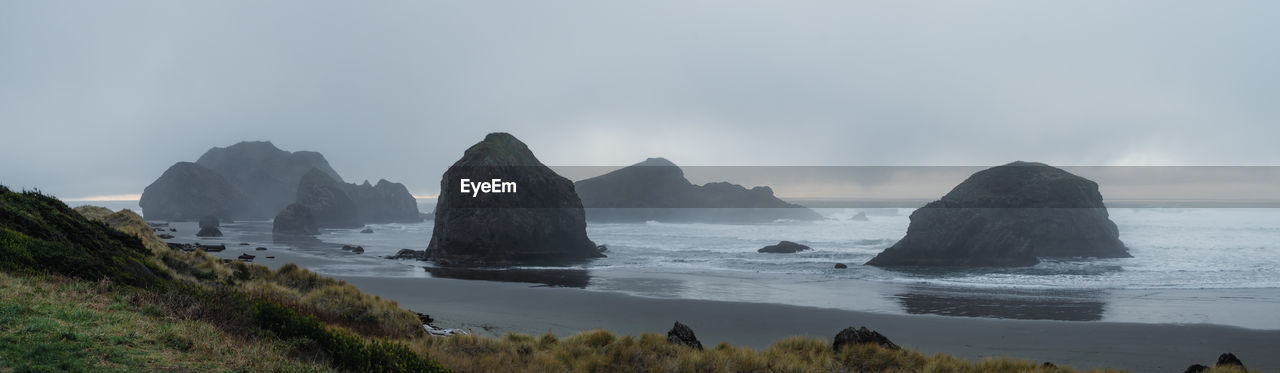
[[98, 98]]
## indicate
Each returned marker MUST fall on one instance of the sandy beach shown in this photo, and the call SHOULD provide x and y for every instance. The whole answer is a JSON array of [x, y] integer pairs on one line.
[[495, 308]]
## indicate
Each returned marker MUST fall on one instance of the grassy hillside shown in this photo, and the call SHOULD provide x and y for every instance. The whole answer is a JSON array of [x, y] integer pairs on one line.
[[105, 294]]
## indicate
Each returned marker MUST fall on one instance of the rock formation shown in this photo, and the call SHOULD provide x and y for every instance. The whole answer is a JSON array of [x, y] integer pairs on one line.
[[267, 174], [329, 204], [539, 219], [656, 189], [1009, 215], [256, 180], [188, 191], [681, 334], [209, 227], [385, 202], [295, 219], [783, 247]]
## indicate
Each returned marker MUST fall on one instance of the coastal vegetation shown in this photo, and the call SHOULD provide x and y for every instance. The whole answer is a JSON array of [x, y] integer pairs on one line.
[[100, 292]]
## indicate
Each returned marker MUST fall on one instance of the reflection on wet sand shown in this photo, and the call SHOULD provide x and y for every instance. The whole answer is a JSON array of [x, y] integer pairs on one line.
[[570, 278], [1006, 304]]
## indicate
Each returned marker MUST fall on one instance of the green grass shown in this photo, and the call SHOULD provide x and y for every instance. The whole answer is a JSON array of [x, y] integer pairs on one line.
[[53, 323]]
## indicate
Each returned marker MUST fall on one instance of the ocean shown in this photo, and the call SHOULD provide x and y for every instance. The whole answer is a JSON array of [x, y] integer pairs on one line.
[[1189, 265]]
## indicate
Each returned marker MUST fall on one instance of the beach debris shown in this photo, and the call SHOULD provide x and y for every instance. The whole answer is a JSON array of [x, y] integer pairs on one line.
[[439, 332], [260, 248], [354, 249], [683, 335], [367, 230], [246, 257], [851, 336], [841, 266], [409, 254], [783, 247]]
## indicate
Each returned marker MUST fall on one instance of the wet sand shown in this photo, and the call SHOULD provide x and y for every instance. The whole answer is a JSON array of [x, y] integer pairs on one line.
[[494, 308]]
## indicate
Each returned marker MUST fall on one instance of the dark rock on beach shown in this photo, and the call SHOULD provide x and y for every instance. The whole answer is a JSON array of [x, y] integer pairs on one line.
[[656, 189], [1009, 215], [187, 192], [246, 257], [539, 219], [329, 204], [783, 247], [1229, 360], [681, 334], [295, 220], [851, 336], [841, 266]]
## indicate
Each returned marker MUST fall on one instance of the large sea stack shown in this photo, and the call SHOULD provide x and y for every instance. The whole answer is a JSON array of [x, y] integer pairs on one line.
[[255, 180], [656, 189], [188, 192], [267, 174], [539, 219], [329, 204], [1009, 215]]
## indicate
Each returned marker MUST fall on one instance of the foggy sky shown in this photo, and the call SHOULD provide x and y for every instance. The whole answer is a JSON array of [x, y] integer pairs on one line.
[[99, 98]]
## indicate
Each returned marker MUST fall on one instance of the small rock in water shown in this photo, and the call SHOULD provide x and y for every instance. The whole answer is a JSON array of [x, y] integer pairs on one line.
[[165, 236], [783, 247], [271, 257], [173, 229], [244, 244], [409, 254], [682, 334], [841, 266], [354, 249], [261, 249], [367, 230], [245, 257]]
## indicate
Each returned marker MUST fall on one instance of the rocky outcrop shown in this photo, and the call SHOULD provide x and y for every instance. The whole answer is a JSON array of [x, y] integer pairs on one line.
[[209, 227], [409, 254], [656, 189], [128, 222], [539, 218], [783, 247], [850, 336], [188, 191], [295, 220], [1009, 215], [267, 174], [681, 334], [384, 202], [329, 204]]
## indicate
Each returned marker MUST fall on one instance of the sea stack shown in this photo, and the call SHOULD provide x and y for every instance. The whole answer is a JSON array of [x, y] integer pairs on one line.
[[1009, 215], [499, 204], [329, 204], [656, 189], [296, 220], [187, 192]]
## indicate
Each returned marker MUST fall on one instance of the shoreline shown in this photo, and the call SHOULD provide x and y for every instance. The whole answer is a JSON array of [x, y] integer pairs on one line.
[[494, 308]]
